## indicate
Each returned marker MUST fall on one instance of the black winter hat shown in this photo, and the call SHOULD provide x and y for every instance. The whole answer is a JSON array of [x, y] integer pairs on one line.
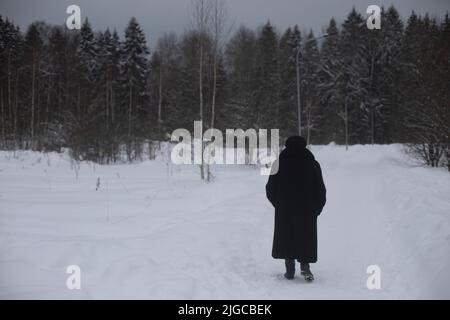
[[296, 142]]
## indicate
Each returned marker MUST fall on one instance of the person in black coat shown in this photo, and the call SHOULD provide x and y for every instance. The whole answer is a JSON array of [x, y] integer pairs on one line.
[[297, 191]]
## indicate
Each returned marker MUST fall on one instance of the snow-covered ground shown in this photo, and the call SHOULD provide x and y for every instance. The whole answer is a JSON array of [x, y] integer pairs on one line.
[[153, 230]]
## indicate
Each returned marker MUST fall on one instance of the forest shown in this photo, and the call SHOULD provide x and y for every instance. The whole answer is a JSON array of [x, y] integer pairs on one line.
[[105, 95]]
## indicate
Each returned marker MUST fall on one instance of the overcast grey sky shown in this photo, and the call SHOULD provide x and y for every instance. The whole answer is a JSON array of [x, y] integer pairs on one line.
[[159, 16]]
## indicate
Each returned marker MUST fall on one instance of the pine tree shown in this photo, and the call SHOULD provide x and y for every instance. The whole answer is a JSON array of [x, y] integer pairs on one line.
[[353, 91], [241, 53], [134, 72], [107, 84], [266, 98], [58, 62], [331, 84], [87, 52], [371, 55], [290, 42], [390, 82]]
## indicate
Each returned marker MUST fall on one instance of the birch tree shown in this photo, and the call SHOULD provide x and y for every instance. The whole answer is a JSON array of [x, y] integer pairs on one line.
[[201, 18]]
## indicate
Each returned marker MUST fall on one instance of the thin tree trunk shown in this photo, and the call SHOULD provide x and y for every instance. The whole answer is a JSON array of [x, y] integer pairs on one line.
[[160, 99], [308, 141], [107, 149], [299, 110], [346, 124], [38, 103], [213, 105], [447, 154], [372, 125], [202, 173], [9, 85], [213, 109], [200, 81], [130, 105], [3, 116], [107, 103], [47, 103], [216, 44], [59, 93], [372, 111], [113, 101], [79, 103], [16, 106], [214, 94], [201, 18], [32, 101]]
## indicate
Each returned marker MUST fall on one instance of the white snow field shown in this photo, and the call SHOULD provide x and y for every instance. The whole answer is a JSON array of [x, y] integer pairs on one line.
[[155, 231]]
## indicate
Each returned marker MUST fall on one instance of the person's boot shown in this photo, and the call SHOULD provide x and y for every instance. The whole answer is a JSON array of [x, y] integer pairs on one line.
[[290, 269], [306, 272]]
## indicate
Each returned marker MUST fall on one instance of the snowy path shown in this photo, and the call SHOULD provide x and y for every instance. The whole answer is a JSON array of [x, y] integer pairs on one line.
[[155, 231]]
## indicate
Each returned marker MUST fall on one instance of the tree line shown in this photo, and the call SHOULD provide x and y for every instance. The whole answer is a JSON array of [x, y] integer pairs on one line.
[[104, 96]]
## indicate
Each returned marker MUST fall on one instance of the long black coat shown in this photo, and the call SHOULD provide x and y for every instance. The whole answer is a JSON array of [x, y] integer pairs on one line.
[[298, 193]]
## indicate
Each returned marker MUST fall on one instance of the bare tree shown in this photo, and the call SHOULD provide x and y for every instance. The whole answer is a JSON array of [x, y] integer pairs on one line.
[[220, 29], [201, 17], [428, 132]]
